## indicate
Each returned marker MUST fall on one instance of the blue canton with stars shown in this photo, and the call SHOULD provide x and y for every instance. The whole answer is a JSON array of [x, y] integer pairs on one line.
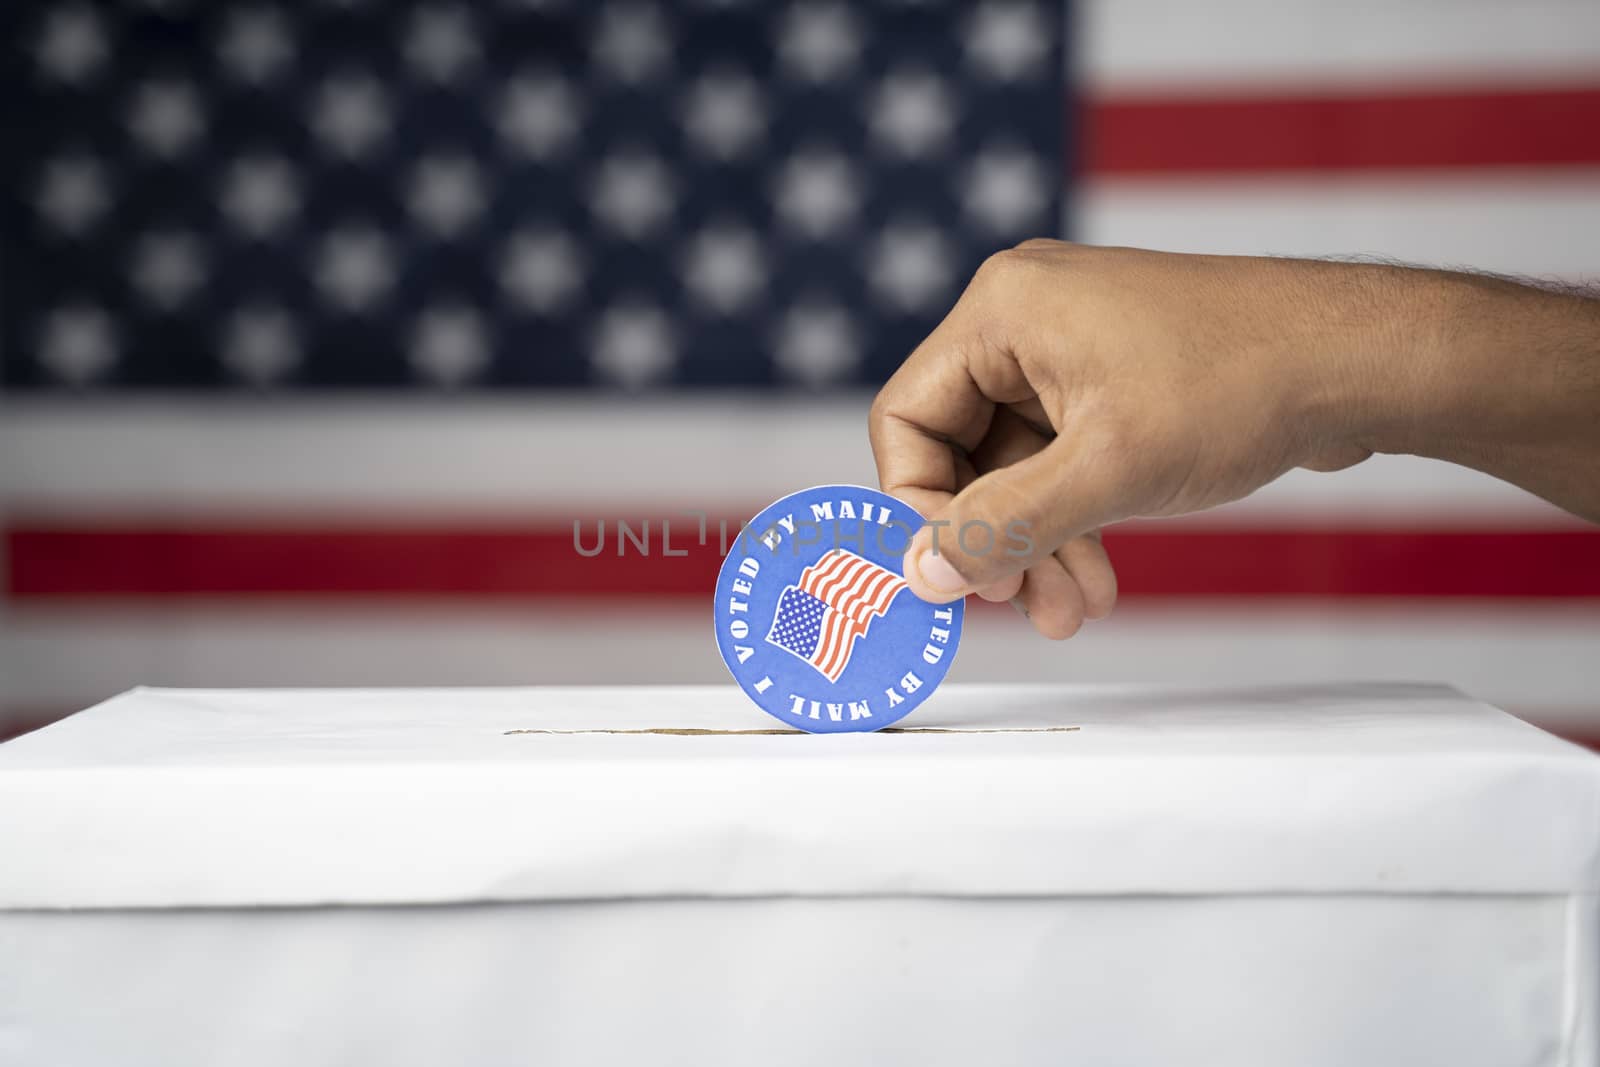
[[360, 194], [798, 622]]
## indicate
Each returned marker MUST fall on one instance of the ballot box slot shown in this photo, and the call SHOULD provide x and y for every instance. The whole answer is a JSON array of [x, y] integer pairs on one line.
[[672, 731]]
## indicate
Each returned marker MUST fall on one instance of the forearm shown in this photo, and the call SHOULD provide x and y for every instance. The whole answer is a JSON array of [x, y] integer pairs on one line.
[[1497, 376]]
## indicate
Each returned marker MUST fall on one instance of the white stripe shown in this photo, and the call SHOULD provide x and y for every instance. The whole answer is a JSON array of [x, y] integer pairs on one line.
[[540, 454], [1515, 223], [826, 584], [315, 462], [836, 639], [1164, 44], [853, 600], [1518, 657], [879, 602]]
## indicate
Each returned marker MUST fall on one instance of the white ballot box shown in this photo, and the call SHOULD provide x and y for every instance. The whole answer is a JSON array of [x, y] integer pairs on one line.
[[1352, 875]]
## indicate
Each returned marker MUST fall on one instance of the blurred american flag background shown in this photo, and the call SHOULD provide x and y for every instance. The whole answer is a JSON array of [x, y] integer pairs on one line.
[[323, 324]]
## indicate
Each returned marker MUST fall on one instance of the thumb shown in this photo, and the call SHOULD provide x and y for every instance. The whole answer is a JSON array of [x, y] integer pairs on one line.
[[1007, 520]]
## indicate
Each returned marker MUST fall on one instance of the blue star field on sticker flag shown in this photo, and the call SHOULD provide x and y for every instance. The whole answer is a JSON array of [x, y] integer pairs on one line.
[[833, 604]]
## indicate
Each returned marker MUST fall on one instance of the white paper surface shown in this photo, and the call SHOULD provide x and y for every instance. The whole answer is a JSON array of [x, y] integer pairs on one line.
[[196, 798], [1298, 981]]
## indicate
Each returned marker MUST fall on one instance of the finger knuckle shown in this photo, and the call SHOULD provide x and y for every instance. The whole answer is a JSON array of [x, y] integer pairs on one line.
[[879, 408], [1040, 244], [998, 289], [1001, 268], [879, 413]]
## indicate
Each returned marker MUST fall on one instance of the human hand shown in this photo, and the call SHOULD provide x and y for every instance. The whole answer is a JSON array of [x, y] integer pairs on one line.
[[1072, 387]]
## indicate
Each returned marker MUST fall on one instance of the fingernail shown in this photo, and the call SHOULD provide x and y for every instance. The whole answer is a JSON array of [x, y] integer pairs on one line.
[[939, 574]]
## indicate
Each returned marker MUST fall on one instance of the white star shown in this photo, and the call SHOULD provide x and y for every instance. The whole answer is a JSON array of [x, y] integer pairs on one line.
[[1006, 190], [167, 268], [634, 345], [817, 344], [633, 194], [78, 344], [539, 115], [1007, 41], [165, 118], [256, 45], [912, 113], [73, 194], [541, 271], [909, 266], [72, 45], [725, 267], [448, 346], [442, 44], [817, 192], [260, 195], [819, 42], [724, 115], [355, 268], [351, 115], [260, 344], [446, 195], [632, 42]]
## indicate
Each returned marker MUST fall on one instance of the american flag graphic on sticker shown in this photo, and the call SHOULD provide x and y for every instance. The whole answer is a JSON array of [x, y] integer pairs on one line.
[[821, 619], [814, 618]]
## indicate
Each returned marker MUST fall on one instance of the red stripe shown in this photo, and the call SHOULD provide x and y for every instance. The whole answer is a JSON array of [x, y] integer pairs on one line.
[[867, 603], [522, 561], [1207, 562], [841, 578], [887, 594], [1356, 130], [847, 641], [819, 573], [857, 601], [838, 635]]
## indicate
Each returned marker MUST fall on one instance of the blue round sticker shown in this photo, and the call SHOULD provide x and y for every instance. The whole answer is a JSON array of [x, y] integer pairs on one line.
[[814, 617]]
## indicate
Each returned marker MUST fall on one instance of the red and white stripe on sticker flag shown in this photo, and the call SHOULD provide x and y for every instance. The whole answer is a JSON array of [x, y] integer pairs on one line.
[[855, 591]]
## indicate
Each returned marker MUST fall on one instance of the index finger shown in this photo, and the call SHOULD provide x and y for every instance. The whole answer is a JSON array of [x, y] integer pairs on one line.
[[938, 406]]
